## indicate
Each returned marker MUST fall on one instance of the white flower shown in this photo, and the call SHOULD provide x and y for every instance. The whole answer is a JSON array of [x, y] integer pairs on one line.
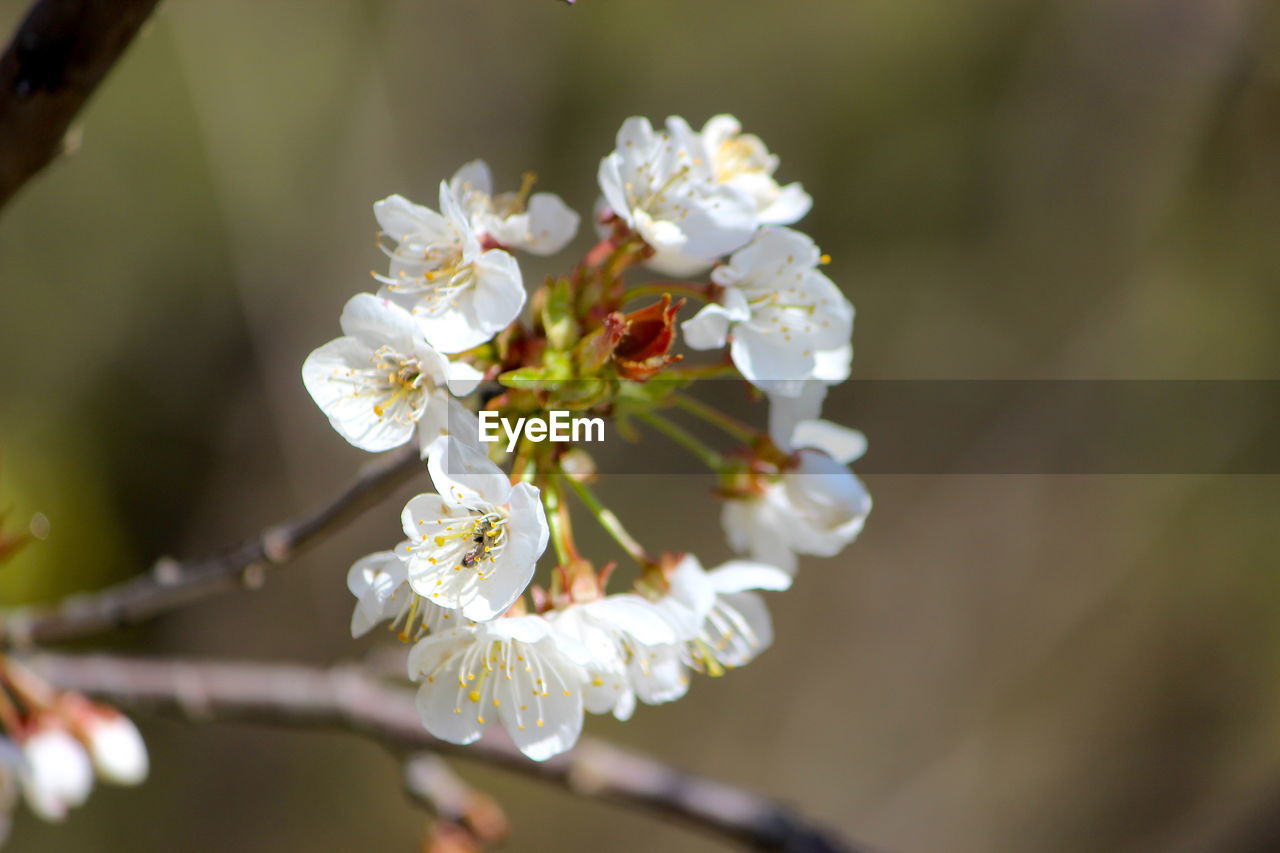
[[741, 160], [380, 583], [57, 775], [781, 311], [460, 293], [633, 648], [788, 410], [473, 546], [382, 381], [662, 185], [541, 224], [116, 747], [518, 670], [815, 507], [724, 624]]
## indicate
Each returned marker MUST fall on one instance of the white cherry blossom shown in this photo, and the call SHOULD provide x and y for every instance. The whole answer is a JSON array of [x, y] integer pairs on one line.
[[116, 747], [57, 775], [724, 623], [816, 507], [380, 583], [661, 183], [473, 546], [634, 652], [518, 670], [382, 381], [460, 293], [780, 310], [541, 223], [741, 160]]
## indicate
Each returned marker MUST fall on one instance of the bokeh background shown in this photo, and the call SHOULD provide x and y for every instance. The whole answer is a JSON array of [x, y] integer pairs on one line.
[[1010, 189]]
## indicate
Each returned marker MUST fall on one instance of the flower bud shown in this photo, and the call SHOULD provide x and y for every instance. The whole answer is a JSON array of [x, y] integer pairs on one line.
[[57, 775], [118, 752]]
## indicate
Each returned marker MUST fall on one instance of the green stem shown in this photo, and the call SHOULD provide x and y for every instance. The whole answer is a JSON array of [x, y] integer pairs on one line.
[[679, 435], [702, 371], [525, 467], [552, 500], [609, 521], [734, 427]]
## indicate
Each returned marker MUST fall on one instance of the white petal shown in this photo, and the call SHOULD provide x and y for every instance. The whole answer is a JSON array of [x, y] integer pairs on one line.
[[473, 177], [791, 205], [751, 527], [552, 224], [376, 321], [401, 219], [637, 617], [499, 289], [839, 442], [463, 378], [768, 356], [785, 412], [461, 471], [723, 220], [708, 329], [833, 365], [719, 129], [447, 713], [690, 586], [748, 617], [526, 629], [544, 714], [118, 752], [373, 580], [612, 184], [739, 575], [668, 239]]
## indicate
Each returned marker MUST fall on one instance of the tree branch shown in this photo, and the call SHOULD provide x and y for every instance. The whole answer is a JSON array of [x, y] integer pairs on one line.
[[172, 583], [349, 698], [58, 56]]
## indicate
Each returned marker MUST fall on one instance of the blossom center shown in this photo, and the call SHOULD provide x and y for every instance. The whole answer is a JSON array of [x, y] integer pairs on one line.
[[735, 157]]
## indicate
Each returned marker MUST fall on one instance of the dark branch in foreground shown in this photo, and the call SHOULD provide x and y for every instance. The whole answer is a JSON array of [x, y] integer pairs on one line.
[[349, 698], [58, 56], [173, 583]]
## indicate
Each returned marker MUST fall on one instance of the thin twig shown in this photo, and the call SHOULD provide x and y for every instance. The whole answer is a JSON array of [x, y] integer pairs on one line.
[[173, 583], [58, 56], [464, 817], [349, 698]]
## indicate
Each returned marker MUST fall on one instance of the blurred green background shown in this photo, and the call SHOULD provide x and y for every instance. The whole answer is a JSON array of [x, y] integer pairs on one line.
[[1009, 188]]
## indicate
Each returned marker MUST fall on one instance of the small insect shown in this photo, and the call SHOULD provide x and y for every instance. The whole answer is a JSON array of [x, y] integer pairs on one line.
[[483, 530]]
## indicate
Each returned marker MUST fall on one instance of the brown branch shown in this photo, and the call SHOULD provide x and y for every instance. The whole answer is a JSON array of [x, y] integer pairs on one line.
[[349, 698], [172, 583], [58, 56]]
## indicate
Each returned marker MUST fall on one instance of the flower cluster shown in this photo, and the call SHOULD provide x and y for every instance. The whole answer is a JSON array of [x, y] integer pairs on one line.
[[451, 331], [54, 743]]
